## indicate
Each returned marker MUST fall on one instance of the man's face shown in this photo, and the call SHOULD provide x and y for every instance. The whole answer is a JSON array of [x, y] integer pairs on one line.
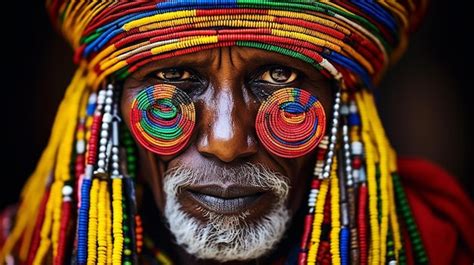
[[225, 187]]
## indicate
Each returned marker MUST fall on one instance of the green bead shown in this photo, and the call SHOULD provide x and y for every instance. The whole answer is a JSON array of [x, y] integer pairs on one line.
[[405, 207], [411, 227], [128, 252], [418, 247], [423, 259], [127, 240], [129, 150], [127, 262]]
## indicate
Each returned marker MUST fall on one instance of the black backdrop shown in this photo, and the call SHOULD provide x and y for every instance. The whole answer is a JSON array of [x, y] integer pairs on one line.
[[425, 107]]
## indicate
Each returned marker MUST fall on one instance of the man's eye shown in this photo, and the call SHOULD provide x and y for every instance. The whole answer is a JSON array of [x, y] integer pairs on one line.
[[174, 74], [279, 75]]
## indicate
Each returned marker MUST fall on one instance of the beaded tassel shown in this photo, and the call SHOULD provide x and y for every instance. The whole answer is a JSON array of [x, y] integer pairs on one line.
[[87, 223], [92, 225], [39, 222], [321, 171], [51, 227], [348, 231], [324, 250], [359, 231], [101, 173], [117, 191], [332, 136], [313, 198], [86, 228], [413, 233], [102, 212], [129, 167], [374, 250], [317, 221]]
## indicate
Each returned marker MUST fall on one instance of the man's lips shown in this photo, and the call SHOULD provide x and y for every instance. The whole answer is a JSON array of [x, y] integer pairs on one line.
[[229, 199]]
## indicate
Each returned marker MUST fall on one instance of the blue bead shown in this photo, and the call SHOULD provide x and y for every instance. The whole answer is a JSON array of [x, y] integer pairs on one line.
[[344, 245], [354, 119]]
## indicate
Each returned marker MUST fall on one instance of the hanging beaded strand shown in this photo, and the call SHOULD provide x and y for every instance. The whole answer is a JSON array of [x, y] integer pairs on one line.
[[322, 172], [334, 237], [85, 237], [82, 137], [343, 170], [312, 199], [130, 206], [104, 246], [373, 250], [358, 174], [350, 189], [332, 135], [68, 188], [51, 227], [117, 184]]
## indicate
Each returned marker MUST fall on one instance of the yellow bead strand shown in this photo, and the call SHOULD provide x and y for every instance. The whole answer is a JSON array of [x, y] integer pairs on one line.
[[317, 222], [108, 228], [117, 197], [102, 224], [335, 215], [92, 227]]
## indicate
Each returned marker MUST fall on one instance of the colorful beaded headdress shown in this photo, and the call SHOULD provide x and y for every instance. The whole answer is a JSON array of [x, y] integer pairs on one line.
[[88, 211]]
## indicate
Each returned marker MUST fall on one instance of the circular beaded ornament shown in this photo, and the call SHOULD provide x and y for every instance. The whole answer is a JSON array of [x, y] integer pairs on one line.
[[162, 119], [291, 122]]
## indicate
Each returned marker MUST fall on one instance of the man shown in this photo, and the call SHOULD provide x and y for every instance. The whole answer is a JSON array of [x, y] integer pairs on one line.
[[257, 140]]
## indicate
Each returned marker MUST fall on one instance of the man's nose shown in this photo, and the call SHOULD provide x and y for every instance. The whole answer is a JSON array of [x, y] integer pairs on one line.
[[227, 126]]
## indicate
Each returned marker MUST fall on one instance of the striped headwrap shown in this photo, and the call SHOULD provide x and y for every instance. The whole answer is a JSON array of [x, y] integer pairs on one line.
[[352, 42], [359, 38]]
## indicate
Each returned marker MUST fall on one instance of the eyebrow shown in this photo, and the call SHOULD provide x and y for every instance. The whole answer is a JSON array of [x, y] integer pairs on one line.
[[258, 59]]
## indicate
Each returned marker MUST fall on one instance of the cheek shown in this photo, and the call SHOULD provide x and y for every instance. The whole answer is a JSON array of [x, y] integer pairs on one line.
[[299, 171]]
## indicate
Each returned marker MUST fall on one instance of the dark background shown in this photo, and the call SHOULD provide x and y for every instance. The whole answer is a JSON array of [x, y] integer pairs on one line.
[[425, 107]]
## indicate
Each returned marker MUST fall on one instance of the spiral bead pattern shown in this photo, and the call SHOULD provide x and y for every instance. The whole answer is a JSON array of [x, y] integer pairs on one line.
[[162, 119], [291, 122]]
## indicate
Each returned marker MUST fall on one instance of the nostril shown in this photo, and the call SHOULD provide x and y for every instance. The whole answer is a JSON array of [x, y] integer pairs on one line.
[[228, 149]]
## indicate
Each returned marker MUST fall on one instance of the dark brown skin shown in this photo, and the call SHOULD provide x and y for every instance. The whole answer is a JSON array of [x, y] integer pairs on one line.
[[226, 86]]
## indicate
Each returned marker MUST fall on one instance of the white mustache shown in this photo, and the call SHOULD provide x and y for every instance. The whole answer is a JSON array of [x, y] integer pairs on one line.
[[255, 175]]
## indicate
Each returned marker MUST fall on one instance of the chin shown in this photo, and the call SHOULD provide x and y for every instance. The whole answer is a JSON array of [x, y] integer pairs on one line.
[[225, 221]]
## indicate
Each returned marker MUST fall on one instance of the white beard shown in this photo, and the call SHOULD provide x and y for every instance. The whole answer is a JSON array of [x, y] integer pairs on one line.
[[227, 237]]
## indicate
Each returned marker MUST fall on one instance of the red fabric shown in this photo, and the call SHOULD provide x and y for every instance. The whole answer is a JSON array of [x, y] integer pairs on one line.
[[443, 211]]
